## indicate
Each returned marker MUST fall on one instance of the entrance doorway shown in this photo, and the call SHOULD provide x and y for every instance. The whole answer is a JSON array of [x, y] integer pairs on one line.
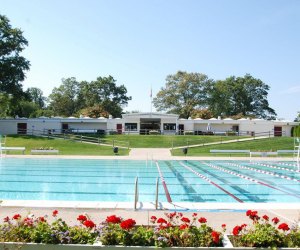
[[22, 128], [181, 129], [277, 131], [148, 124], [119, 128]]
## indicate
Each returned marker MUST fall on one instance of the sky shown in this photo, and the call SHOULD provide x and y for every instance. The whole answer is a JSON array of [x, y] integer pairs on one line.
[[139, 43]]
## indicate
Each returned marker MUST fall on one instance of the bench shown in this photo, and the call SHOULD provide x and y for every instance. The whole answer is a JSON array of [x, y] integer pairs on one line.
[[44, 151], [229, 151], [13, 149], [283, 151], [263, 154]]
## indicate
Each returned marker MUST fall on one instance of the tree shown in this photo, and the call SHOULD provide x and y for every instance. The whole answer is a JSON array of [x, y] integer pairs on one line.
[[36, 96], [202, 113], [105, 93], [12, 64], [94, 112], [183, 93], [64, 99], [246, 95]]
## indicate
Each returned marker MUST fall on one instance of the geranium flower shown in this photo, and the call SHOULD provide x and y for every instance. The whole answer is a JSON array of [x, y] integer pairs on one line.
[[127, 224], [42, 219], [113, 219], [183, 226], [202, 220], [54, 213], [284, 227], [6, 219], [28, 221], [223, 225], [161, 221], [186, 220], [81, 218], [236, 230], [266, 217], [195, 215], [252, 215], [216, 236], [16, 216], [89, 224], [275, 220], [153, 219]]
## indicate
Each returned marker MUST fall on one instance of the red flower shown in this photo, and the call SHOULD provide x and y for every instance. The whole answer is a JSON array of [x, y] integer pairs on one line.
[[223, 225], [54, 213], [113, 219], [284, 227], [202, 220], [153, 219], [128, 224], [186, 220], [42, 219], [16, 216], [243, 225], [183, 226], [248, 212], [28, 221], [195, 214], [266, 217], [216, 236], [252, 215], [6, 219], [180, 214], [236, 230], [275, 220], [161, 221], [81, 218], [89, 224]]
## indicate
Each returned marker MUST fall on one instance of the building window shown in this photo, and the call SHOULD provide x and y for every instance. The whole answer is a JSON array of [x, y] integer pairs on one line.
[[130, 126], [169, 126]]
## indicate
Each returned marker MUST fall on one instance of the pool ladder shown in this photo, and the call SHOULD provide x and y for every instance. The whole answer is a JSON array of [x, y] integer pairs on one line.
[[136, 192]]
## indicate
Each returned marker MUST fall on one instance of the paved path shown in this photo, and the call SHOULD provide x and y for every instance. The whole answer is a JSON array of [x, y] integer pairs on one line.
[[150, 153]]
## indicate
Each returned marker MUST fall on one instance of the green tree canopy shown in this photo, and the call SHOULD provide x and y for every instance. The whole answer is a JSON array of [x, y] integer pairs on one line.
[[36, 96], [183, 93], [72, 97], [240, 95], [12, 64]]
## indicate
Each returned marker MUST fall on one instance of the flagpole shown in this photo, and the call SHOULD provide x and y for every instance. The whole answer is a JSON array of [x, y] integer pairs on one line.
[[151, 100]]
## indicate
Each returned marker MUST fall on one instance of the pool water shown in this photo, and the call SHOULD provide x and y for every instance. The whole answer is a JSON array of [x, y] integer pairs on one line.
[[179, 181]]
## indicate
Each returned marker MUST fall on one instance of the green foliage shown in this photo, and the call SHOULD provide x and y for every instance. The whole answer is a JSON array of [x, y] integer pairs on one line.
[[246, 95], [296, 131], [35, 95], [100, 97], [265, 233], [183, 93]]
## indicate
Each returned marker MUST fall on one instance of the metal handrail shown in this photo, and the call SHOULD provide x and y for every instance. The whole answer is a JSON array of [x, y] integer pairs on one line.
[[156, 194], [136, 192]]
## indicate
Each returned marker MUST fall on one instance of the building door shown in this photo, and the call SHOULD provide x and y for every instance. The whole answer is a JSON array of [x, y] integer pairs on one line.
[[65, 127], [119, 128], [181, 129], [22, 128], [277, 131]]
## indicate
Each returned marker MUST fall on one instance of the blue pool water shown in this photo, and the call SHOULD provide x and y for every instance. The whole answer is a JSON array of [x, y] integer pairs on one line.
[[180, 181]]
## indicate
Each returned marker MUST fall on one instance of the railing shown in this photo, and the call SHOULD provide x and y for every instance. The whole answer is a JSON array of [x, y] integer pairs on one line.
[[156, 193], [136, 192]]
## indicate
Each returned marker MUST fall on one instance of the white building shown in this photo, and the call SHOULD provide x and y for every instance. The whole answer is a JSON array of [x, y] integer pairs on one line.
[[143, 123]]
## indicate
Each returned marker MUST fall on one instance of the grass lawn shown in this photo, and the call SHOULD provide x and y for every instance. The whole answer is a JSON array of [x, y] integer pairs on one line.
[[166, 141], [271, 144], [65, 147]]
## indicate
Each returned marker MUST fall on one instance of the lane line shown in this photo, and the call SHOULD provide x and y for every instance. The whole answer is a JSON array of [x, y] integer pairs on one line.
[[163, 182], [211, 182], [248, 178]]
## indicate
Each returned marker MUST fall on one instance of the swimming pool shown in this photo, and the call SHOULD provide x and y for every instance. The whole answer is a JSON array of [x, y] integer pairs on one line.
[[180, 181]]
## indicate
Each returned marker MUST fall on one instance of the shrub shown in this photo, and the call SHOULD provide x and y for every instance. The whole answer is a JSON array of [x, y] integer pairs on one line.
[[175, 230], [265, 233]]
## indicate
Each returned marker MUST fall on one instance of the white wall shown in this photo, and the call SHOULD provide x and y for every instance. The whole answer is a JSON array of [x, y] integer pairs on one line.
[[8, 127]]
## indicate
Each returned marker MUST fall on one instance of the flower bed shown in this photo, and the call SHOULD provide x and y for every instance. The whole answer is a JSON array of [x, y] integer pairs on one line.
[[173, 231], [265, 232]]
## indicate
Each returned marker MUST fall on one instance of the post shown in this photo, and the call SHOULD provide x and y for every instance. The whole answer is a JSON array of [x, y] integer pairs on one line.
[[136, 195], [156, 194]]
